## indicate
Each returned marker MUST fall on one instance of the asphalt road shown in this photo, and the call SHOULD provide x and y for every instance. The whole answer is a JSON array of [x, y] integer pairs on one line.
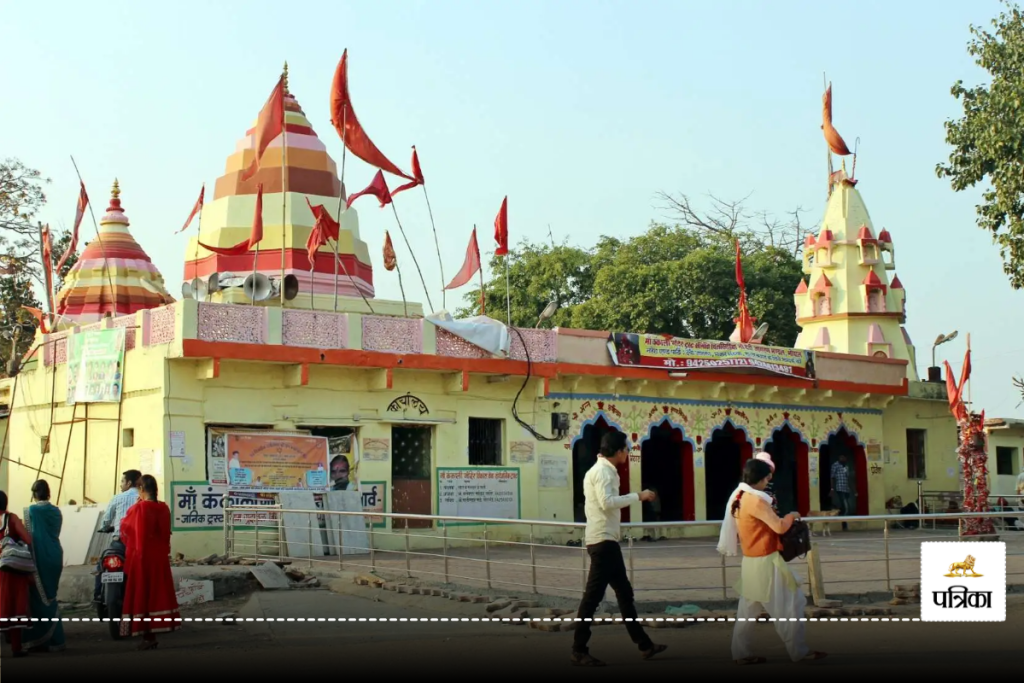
[[463, 651]]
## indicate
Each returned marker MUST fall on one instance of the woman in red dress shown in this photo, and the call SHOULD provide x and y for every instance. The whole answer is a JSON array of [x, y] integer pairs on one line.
[[14, 587], [150, 602]]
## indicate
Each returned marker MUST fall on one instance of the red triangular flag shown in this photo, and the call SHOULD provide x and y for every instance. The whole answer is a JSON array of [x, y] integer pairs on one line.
[[83, 201], [416, 171], [954, 394], [390, 260], [254, 236], [745, 324], [40, 318], [470, 266], [324, 228], [501, 229], [344, 120], [965, 371], [195, 209], [269, 125], [378, 188]]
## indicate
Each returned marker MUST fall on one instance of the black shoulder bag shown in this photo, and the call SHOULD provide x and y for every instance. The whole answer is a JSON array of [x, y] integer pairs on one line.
[[796, 541]]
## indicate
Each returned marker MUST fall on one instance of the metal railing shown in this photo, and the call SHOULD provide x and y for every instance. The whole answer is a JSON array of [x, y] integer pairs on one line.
[[549, 558]]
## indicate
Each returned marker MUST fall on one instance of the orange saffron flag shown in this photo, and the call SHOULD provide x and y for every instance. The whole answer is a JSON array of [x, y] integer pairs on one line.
[[832, 137], [269, 125], [390, 260]]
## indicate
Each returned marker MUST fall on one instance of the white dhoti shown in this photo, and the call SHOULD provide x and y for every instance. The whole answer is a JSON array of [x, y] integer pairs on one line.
[[768, 583]]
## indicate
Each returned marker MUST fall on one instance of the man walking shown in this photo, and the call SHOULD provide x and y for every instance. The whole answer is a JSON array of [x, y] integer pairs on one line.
[[841, 488], [607, 568], [116, 509]]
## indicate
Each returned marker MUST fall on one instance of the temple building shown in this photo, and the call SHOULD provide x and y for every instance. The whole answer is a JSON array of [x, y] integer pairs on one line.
[[412, 408]]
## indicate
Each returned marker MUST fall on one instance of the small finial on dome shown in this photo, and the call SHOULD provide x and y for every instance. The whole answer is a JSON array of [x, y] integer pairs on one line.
[[115, 192], [285, 77]]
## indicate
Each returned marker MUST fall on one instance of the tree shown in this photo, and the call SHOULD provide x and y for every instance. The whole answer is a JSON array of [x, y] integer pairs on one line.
[[671, 280], [988, 140]]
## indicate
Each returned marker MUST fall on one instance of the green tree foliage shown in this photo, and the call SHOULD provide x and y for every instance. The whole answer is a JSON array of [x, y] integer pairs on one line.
[[988, 141], [669, 279]]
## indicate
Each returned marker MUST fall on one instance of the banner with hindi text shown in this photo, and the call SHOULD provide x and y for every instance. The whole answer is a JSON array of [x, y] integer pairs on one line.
[[674, 353]]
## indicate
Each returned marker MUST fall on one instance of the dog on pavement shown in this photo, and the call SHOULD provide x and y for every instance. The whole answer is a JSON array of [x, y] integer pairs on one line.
[[826, 526]]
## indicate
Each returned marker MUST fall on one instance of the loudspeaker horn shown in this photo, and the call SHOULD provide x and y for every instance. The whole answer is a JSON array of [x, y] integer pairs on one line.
[[257, 287], [199, 289], [186, 290], [213, 283], [291, 287]]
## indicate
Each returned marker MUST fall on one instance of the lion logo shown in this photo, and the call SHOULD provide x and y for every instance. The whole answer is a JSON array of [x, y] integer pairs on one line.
[[961, 568]]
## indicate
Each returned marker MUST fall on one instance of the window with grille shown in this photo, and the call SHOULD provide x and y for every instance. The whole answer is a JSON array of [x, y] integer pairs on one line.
[[485, 441], [915, 454]]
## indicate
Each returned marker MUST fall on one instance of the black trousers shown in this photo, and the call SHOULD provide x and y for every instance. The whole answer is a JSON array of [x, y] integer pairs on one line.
[[607, 568]]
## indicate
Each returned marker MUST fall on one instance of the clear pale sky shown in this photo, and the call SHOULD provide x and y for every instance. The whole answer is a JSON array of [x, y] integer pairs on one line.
[[578, 111]]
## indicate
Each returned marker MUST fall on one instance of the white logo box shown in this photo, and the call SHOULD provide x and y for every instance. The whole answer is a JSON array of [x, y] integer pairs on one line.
[[978, 595]]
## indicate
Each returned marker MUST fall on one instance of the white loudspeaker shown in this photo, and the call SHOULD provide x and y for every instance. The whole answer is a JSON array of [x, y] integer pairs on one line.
[[257, 287], [186, 290], [213, 283], [199, 289]]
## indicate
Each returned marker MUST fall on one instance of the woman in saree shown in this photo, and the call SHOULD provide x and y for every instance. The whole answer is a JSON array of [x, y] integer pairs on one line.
[[44, 523], [13, 586], [150, 601], [766, 580]]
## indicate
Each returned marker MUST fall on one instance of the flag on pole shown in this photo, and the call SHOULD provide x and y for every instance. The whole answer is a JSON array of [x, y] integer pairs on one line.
[[417, 173], [501, 229], [390, 260], [378, 188], [744, 322], [254, 236], [83, 202], [345, 122], [470, 266], [48, 260], [196, 208], [832, 137], [269, 125], [325, 228], [40, 318]]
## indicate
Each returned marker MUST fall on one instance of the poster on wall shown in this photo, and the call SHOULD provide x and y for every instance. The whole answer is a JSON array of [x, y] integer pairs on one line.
[[199, 506], [674, 353], [276, 462], [554, 472], [95, 366], [344, 464], [377, 450], [478, 492]]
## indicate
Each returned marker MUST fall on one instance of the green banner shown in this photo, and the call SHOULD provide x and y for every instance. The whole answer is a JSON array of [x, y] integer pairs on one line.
[[95, 366]]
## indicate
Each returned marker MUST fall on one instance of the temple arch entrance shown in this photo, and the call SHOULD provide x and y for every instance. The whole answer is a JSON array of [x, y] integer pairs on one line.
[[724, 457], [666, 466], [790, 482], [842, 442], [584, 454]]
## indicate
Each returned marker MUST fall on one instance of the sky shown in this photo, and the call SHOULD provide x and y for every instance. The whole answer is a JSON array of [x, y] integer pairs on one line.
[[579, 111]]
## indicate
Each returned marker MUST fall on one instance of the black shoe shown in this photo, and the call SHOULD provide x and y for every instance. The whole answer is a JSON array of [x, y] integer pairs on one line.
[[583, 659], [655, 650]]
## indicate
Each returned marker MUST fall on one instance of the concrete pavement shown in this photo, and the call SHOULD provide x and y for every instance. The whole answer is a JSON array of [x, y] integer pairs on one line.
[[473, 649]]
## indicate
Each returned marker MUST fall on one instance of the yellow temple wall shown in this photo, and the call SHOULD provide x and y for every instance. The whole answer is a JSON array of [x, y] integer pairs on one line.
[[941, 464], [1004, 483]]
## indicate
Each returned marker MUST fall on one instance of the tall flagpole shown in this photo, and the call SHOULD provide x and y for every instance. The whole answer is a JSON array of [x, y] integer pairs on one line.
[[199, 235], [413, 254], [341, 201], [284, 171], [483, 306], [508, 291], [99, 239], [437, 244]]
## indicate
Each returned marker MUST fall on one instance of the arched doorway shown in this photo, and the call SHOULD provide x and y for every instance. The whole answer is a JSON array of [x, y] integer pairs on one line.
[[584, 455], [666, 466], [724, 457], [843, 443], [790, 481]]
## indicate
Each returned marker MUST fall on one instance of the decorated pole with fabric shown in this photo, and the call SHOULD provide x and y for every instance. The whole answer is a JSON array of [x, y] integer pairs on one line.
[[418, 173], [501, 237], [83, 201], [470, 267], [379, 189], [745, 324], [391, 263]]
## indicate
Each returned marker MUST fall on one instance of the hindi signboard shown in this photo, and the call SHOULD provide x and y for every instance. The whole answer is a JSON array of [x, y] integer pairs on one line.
[[276, 462], [95, 366], [374, 502], [674, 353], [478, 492], [199, 506]]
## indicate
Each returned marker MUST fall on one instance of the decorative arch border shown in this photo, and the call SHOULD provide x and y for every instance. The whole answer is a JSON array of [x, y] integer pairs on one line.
[[803, 475], [795, 430], [721, 425], [862, 485], [593, 421], [671, 423], [833, 432]]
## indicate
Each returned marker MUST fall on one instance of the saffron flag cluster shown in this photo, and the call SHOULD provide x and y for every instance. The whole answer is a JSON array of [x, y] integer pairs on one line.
[[269, 125], [255, 235], [324, 228], [955, 390], [745, 325]]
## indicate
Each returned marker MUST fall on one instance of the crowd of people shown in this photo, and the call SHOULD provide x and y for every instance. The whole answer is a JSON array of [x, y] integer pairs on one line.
[[30, 615], [751, 526]]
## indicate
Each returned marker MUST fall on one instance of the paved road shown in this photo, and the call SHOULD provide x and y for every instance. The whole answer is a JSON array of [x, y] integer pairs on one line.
[[462, 650]]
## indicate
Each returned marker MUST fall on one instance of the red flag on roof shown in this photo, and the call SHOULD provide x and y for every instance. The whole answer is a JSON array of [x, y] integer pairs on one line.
[[501, 229], [832, 137], [417, 173], [254, 236], [324, 228], [745, 323], [344, 120], [48, 260], [269, 125], [196, 208], [378, 188], [83, 201], [40, 318], [390, 260], [470, 266]]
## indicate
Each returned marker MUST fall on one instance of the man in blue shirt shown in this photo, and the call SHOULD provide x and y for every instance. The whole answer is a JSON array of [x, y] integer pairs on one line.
[[116, 509]]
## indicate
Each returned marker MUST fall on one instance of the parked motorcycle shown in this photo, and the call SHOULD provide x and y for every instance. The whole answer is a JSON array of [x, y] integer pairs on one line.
[[112, 580]]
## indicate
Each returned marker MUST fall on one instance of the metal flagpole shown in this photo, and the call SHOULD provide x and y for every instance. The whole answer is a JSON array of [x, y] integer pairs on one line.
[[437, 244], [413, 254], [199, 234], [284, 171], [341, 201], [99, 239], [508, 291], [483, 306]]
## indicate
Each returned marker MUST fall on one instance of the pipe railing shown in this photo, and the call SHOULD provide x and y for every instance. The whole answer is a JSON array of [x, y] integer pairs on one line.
[[535, 555]]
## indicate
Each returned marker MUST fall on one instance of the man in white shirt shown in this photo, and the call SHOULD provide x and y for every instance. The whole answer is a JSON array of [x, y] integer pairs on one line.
[[115, 512], [607, 567]]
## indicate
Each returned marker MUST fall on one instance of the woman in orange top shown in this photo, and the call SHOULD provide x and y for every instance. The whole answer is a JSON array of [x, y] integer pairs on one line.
[[765, 579]]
